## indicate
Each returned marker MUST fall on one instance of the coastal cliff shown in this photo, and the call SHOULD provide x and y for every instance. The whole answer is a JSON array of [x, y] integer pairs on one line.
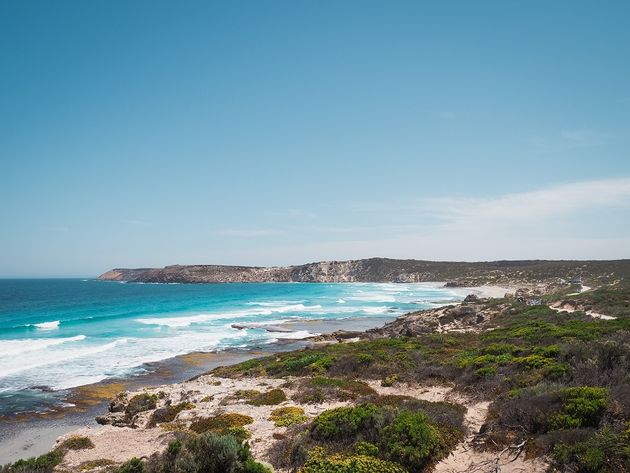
[[385, 270]]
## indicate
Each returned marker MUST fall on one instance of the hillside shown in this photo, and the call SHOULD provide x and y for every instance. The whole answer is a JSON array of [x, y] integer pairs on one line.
[[388, 270]]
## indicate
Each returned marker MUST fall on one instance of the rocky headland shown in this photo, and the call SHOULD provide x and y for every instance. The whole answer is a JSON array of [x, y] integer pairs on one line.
[[457, 274]]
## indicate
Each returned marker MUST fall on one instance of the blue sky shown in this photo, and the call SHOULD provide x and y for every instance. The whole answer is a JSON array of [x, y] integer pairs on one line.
[[149, 133]]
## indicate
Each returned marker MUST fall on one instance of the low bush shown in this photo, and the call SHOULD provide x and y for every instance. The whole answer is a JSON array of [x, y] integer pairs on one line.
[[42, 464], [140, 403], [393, 436], [207, 453], [286, 416], [134, 465], [345, 423], [76, 442], [410, 440], [350, 464], [581, 407], [603, 452], [168, 413], [270, 398], [220, 423], [321, 389]]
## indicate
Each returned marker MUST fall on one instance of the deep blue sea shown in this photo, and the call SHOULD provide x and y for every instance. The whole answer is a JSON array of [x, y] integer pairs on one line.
[[61, 333]]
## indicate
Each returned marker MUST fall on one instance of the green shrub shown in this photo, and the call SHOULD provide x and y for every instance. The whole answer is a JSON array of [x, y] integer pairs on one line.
[[206, 453], [581, 407], [168, 413], [410, 440], [344, 423], [76, 442], [270, 398], [140, 403], [366, 449], [389, 381], [603, 452], [350, 464], [134, 465], [42, 464], [220, 423], [286, 416], [486, 371], [320, 389]]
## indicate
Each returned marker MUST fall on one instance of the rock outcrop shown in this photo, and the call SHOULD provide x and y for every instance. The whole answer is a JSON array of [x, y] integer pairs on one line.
[[472, 315]]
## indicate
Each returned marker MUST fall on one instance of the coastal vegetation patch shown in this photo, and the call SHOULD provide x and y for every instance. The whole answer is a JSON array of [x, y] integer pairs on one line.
[[207, 453], [397, 438], [318, 389], [221, 423], [287, 416], [269, 398], [557, 381], [168, 413]]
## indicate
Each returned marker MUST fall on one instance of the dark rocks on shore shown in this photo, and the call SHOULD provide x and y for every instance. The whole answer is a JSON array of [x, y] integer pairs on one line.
[[466, 317], [471, 298], [339, 335]]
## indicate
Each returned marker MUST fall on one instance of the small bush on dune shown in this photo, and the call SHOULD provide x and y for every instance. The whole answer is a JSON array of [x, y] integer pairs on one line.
[[220, 423], [134, 465], [140, 403], [410, 440], [603, 452], [168, 413], [270, 398], [204, 453], [350, 464], [286, 416], [76, 443], [41, 464], [321, 389], [581, 407], [345, 423]]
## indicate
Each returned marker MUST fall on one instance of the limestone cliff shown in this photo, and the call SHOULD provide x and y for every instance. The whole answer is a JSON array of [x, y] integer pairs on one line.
[[386, 270]]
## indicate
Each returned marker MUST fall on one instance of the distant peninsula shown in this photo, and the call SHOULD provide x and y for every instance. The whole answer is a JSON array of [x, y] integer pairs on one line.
[[386, 270]]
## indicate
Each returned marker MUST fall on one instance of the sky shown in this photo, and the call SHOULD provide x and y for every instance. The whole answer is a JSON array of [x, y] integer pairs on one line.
[[148, 133]]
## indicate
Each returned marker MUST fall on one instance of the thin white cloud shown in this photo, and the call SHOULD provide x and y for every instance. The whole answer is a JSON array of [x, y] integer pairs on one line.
[[536, 205]]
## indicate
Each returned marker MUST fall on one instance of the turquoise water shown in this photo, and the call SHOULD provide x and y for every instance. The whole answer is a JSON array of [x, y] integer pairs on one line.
[[58, 334]]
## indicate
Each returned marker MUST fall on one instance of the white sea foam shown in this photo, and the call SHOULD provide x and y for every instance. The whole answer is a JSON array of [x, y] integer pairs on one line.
[[16, 346], [297, 335], [297, 308], [46, 325], [30, 361], [187, 320], [274, 303], [375, 310], [341, 301], [372, 297]]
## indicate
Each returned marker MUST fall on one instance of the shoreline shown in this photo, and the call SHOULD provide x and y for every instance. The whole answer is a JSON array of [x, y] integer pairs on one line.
[[30, 435]]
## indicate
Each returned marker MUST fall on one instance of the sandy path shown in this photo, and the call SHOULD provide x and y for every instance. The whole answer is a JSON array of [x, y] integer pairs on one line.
[[465, 459], [558, 307]]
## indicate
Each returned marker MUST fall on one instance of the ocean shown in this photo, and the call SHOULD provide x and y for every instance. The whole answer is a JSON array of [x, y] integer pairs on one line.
[[57, 334]]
